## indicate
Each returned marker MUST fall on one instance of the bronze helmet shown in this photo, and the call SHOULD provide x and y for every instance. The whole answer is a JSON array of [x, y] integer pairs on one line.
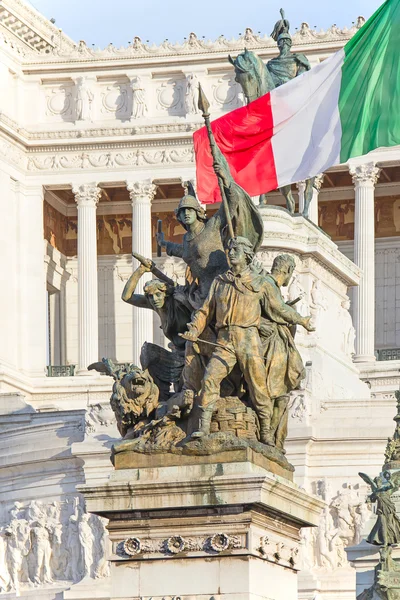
[[190, 201]]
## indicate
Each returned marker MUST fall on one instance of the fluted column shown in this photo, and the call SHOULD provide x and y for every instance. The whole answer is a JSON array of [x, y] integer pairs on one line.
[[364, 179], [141, 194], [313, 210], [87, 197]]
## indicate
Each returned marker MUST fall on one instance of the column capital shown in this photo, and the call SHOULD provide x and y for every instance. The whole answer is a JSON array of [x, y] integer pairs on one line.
[[142, 192], [364, 174], [318, 181], [86, 194]]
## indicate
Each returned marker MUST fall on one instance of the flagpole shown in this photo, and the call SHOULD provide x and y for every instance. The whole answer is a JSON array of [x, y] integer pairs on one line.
[[204, 106]]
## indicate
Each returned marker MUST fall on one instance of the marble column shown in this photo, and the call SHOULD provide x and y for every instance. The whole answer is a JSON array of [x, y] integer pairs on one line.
[[364, 179], [313, 210], [141, 194], [87, 197]]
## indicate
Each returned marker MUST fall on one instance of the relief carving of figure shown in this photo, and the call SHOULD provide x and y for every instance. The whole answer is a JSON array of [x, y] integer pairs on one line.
[[41, 547], [192, 94], [101, 567], [86, 540], [73, 547], [318, 305], [349, 332], [4, 574], [297, 295], [83, 101], [18, 547], [139, 104]]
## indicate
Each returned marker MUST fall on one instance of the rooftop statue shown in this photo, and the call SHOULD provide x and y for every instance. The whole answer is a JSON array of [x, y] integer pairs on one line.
[[258, 79]]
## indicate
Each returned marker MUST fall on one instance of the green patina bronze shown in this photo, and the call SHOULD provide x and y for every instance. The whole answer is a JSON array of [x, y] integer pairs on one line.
[[257, 79]]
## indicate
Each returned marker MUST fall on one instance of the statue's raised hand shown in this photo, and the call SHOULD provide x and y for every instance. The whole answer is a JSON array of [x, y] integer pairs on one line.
[[160, 239], [221, 172], [147, 264]]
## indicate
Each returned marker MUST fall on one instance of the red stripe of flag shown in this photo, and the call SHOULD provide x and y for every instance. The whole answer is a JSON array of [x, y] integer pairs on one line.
[[244, 137]]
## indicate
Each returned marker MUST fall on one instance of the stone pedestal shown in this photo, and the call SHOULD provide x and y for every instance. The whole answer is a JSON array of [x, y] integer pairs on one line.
[[364, 559], [218, 529]]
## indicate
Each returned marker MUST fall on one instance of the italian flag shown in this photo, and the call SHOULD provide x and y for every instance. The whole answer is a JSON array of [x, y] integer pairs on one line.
[[345, 107]]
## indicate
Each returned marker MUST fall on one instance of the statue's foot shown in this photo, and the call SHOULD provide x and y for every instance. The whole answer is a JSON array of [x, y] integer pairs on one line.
[[267, 436], [197, 435]]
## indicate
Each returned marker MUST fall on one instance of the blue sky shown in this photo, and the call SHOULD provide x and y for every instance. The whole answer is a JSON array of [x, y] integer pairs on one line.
[[100, 22]]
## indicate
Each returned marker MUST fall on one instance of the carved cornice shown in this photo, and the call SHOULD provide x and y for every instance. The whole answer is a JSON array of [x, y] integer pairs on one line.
[[305, 36], [28, 32]]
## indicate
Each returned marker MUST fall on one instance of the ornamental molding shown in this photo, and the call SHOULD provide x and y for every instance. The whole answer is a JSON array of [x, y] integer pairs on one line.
[[176, 544], [106, 160], [278, 552], [25, 136], [305, 36]]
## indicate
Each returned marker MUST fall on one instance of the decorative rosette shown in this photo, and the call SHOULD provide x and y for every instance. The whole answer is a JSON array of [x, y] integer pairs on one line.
[[219, 542], [175, 544], [132, 546]]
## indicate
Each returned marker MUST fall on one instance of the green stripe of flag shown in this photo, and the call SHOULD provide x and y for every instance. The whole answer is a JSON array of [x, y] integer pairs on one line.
[[369, 101]]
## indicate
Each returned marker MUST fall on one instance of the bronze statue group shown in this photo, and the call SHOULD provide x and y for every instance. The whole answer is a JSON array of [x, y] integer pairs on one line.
[[229, 322]]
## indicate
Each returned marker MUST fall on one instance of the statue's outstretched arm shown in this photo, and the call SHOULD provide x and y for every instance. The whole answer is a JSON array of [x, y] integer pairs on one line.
[[173, 249], [274, 307], [129, 296]]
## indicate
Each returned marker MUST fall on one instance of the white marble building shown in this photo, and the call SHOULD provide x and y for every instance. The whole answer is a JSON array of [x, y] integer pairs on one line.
[[94, 147]]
